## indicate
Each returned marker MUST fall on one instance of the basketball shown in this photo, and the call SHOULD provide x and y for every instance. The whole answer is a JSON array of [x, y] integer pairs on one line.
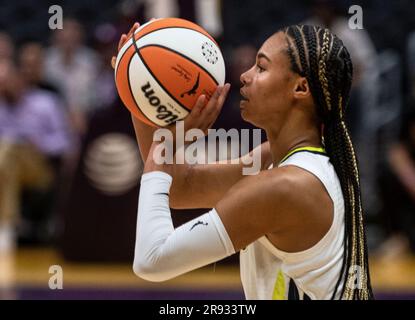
[[164, 67]]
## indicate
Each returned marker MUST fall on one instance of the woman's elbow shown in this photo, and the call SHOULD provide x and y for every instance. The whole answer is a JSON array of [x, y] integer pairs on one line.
[[147, 271]]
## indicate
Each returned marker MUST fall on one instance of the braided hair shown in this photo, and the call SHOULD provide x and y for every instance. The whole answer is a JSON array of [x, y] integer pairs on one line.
[[321, 57]]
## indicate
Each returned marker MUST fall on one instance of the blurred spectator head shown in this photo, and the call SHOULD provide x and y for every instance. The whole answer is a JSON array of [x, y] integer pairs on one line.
[[6, 46], [30, 59], [325, 10], [11, 82], [106, 38], [70, 37]]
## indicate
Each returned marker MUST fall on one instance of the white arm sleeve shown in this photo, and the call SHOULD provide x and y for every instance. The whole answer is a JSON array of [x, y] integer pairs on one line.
[[162, 252]]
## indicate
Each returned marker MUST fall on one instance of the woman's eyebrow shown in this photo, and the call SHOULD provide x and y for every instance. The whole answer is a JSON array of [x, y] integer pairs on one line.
[[262, 55]]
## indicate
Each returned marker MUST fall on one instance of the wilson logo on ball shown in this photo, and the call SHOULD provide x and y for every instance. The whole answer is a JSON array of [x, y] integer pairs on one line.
[[162, 112]]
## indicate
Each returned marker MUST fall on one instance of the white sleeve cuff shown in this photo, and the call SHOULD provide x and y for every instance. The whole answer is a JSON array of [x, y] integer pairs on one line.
[[156, 175]]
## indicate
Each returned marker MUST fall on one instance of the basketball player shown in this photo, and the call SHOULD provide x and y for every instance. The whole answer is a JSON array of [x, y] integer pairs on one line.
[[298, 224]]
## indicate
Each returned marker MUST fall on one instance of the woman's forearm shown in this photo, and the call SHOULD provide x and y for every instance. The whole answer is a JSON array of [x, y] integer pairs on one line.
[[144, 135]]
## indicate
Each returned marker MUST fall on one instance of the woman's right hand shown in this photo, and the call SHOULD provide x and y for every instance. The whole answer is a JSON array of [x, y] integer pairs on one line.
[[204, 113]]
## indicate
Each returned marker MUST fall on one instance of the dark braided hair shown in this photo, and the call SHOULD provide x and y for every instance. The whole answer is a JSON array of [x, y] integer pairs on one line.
[[321, 57]]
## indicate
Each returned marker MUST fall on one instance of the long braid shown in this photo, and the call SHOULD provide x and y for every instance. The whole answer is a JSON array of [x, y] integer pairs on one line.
[[311, 35], [339, 134], [297, 33], [321, 57], [322, 68]]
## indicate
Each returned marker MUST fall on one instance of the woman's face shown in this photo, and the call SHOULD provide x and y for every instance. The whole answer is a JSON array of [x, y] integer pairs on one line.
[[268, 87]]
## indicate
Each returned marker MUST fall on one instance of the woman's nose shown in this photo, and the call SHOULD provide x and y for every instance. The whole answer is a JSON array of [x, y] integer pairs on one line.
[[244, 78]]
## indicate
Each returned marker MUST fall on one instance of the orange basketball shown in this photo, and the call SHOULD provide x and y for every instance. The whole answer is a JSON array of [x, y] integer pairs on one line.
[[164, 67]]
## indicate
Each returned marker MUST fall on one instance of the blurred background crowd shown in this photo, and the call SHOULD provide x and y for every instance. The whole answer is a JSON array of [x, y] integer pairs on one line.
[[69, 166]]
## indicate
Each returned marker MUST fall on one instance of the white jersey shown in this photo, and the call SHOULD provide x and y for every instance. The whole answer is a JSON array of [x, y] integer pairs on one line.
[[269, 273]]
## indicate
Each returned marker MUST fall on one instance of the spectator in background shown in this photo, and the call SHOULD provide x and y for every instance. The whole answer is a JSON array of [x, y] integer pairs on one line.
[[31, 59], [397, 179], [327, 13], [72, 67], [398, 193], [105, 35], [38, 212], [33, 133], [6, 46], [31, 65]]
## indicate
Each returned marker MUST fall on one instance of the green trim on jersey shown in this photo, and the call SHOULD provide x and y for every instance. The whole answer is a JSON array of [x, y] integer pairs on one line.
[[315, 150]]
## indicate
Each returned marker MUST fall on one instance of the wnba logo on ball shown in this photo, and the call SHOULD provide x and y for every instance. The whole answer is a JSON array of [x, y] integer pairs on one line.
[[219, 145]]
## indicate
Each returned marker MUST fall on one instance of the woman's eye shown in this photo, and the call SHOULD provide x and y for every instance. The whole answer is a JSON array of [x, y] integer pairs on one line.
[[260, 69]]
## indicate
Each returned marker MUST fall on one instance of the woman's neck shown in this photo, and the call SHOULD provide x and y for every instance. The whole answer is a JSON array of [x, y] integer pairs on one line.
[[281, 144]]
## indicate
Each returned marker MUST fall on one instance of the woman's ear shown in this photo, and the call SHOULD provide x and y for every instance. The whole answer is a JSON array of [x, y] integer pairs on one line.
[[301, 88]]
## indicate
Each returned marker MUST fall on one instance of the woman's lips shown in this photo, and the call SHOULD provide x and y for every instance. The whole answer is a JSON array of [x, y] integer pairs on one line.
[[244, 98]]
